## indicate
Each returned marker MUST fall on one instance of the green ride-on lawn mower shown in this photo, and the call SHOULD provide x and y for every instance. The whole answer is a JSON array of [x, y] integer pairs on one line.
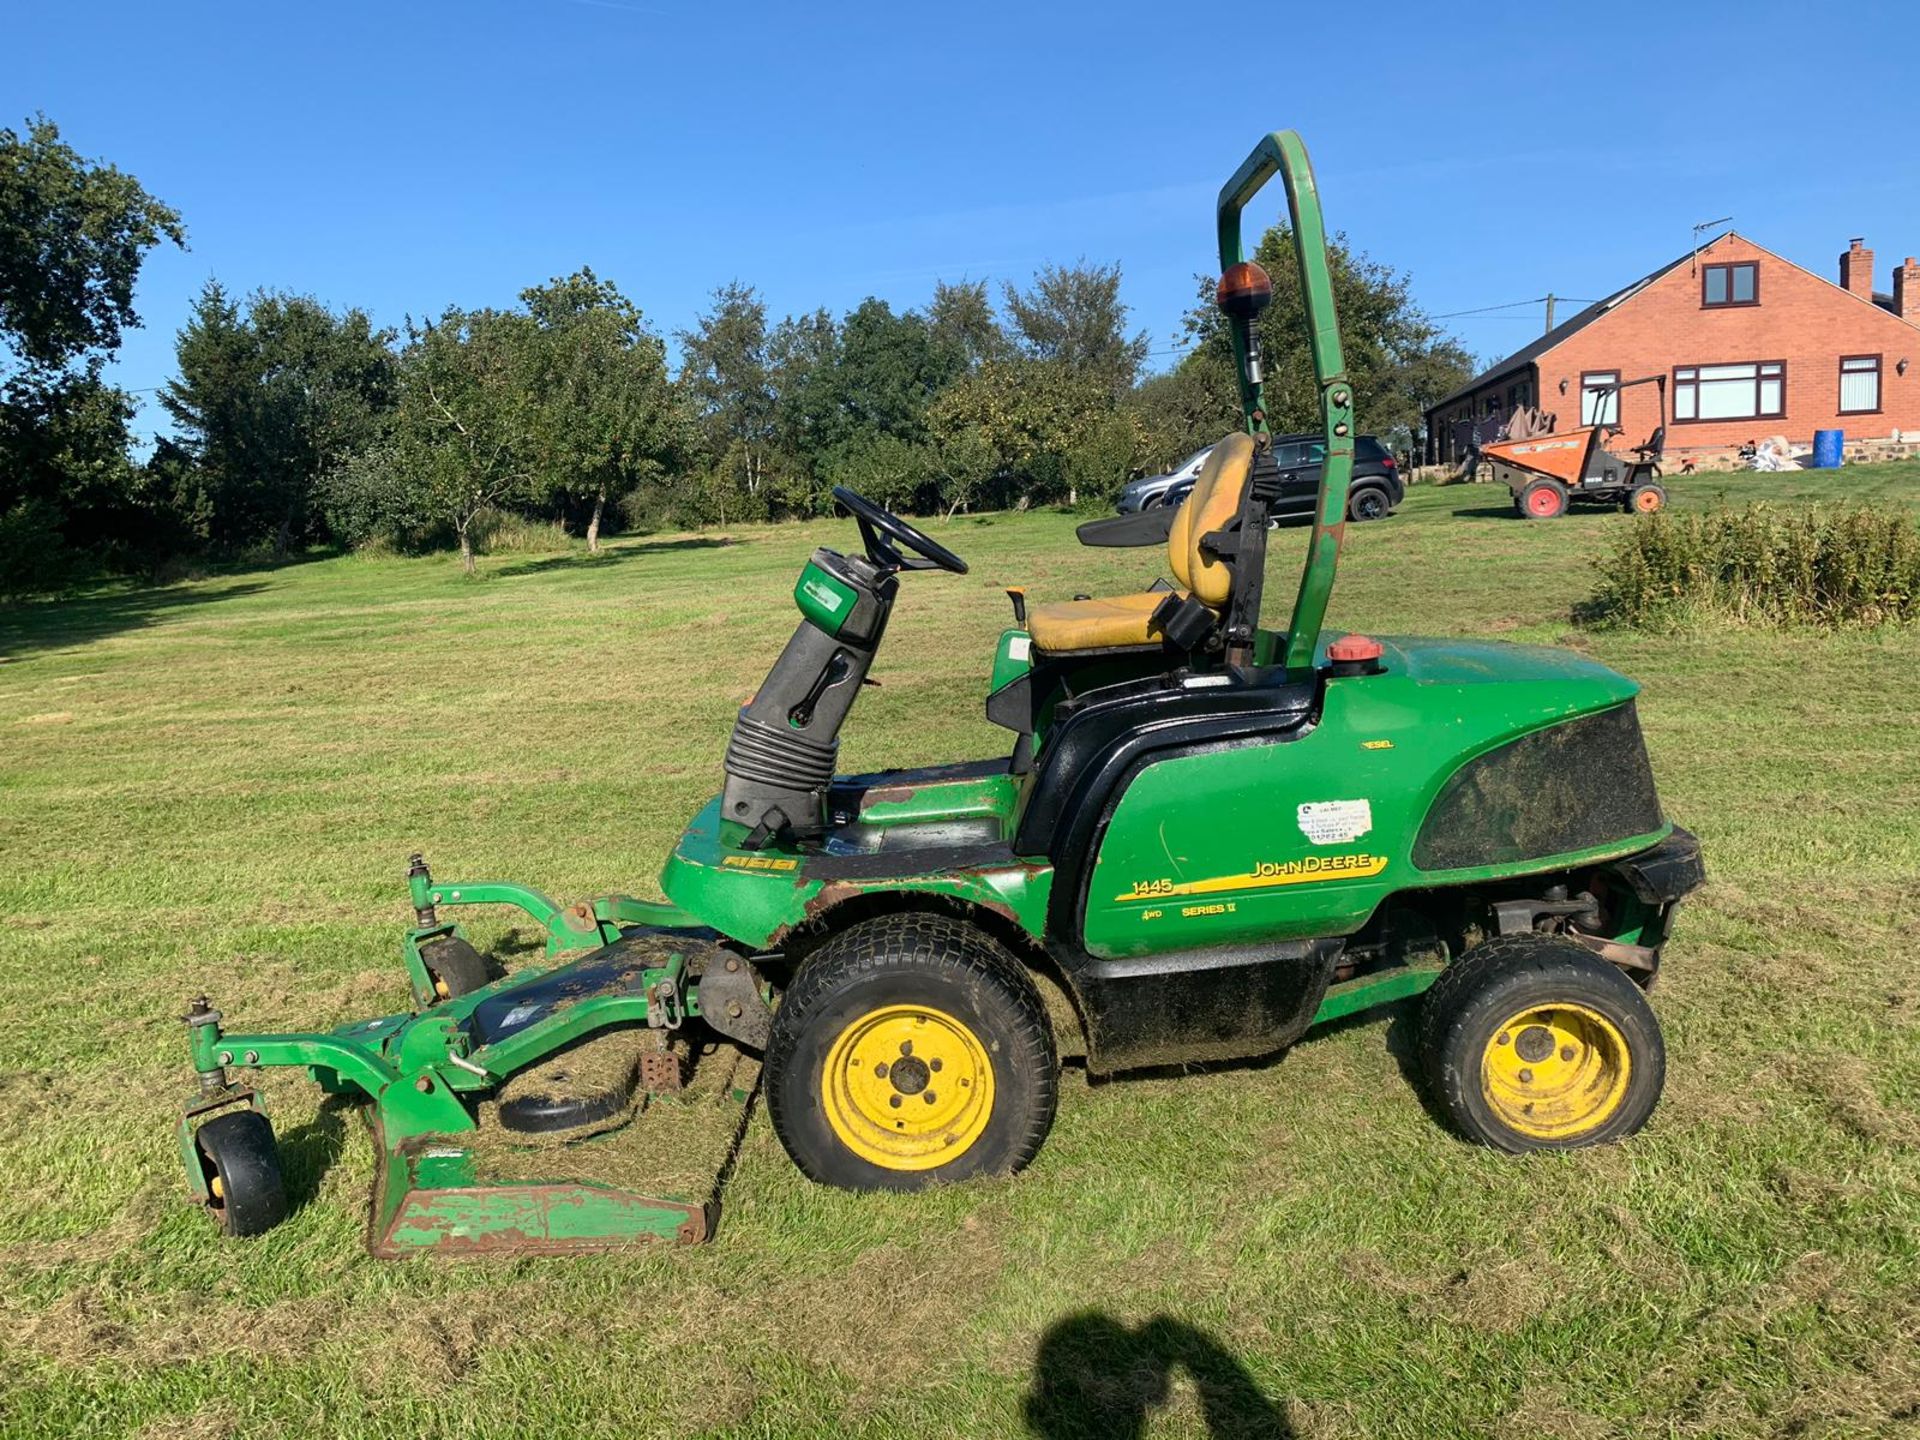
[[1208, 837]]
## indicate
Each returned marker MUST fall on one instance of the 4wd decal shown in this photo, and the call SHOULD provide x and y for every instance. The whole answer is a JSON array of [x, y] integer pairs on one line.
[[1266, 874]]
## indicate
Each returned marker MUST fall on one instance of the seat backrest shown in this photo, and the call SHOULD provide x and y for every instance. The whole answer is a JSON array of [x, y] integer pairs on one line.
[[1212, 506]]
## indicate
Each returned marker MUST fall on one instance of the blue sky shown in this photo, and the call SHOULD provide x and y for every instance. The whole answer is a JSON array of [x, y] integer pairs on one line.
[[408, 155]]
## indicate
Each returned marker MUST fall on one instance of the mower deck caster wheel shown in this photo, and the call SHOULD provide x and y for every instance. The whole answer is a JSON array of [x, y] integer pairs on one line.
[[910, 1050], [242, 1169], [455, 968], [1532, 1042]]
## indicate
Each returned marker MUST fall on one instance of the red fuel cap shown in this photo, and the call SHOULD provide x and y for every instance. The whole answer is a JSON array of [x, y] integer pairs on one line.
[[1355, 649]]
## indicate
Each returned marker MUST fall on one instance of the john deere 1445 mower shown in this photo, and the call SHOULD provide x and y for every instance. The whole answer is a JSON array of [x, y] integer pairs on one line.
[[1207, 836]]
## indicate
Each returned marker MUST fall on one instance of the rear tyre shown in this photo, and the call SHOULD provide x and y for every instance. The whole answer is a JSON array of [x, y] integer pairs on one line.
[[1531, 1042], [910, 1050], [1543, 500], [454, 967], [241, 1165], [1369, 502], [1647, 498]]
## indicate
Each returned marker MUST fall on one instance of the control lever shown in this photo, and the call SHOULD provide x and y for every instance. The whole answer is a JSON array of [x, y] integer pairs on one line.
[[832, 673]]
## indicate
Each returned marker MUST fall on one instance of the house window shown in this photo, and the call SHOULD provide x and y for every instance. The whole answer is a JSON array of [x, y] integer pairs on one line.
[[1599, 397], [1754, 390], [1730, 284], [1859, 384]]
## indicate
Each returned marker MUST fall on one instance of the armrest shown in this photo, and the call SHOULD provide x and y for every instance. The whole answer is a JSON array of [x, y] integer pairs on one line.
[[1149, 527]]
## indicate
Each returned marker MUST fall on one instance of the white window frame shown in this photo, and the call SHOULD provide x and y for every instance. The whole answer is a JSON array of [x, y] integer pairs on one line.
[[1855, 367], [1607, 409], [1688, 381]]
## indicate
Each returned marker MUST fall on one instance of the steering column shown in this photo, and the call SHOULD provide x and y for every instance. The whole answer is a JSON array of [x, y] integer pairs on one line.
[[786, 739]]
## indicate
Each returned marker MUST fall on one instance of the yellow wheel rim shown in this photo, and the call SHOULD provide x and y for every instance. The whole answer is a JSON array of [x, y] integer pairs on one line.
[[1554, 1072], [907, 1087]]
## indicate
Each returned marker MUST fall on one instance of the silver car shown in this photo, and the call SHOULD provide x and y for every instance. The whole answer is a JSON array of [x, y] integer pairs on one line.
[[1151, 490]]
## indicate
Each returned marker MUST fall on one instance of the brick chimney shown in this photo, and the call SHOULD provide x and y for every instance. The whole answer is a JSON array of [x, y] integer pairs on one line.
[[1906, 291], [1856, 269]]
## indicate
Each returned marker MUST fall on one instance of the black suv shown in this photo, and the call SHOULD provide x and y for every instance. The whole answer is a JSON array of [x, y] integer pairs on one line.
[[1376, 490]]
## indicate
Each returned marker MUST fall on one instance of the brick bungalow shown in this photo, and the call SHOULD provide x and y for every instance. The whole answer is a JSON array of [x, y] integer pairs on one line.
[[1751, 345]]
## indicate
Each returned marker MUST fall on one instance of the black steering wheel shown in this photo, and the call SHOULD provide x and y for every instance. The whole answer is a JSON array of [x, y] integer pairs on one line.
[[879, 528]]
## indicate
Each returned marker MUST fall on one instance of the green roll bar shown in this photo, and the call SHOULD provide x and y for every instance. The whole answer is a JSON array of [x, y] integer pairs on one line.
[[1283, 154]]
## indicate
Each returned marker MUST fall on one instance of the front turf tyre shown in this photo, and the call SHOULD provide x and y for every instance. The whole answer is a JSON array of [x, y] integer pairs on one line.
[[241, 1166], [454, 967], [1543, 499], [910, 1050], [1647, 498], [1532, 1042]]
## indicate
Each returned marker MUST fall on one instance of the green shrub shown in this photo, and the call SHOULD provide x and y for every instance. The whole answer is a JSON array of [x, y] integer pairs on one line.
[[1101, 461], [1813, 567], [368, 500], [34, 557]]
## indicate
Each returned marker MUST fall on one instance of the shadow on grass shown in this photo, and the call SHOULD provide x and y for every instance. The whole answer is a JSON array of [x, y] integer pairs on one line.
[[1096, 1378], [32, 625], [306, 1154], [614, 555], [1486, 512]]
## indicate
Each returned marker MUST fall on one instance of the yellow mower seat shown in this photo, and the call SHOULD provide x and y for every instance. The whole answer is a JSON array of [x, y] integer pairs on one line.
[[1118, 621]]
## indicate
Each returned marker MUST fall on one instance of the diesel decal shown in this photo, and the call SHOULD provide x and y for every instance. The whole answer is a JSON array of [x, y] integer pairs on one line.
[[1264, 875], [760, 862]]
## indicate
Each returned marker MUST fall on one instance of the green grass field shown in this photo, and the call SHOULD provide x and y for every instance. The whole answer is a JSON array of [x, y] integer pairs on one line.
[[215, 786]]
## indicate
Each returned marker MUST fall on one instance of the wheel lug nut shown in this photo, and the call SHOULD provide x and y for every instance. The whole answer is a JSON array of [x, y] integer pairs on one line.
[[1501, 1038], [933, 1064], [894, 1101], [1566, 1052], [906, 1047], [1526, 1077], [880, 1070], [927, 1095]]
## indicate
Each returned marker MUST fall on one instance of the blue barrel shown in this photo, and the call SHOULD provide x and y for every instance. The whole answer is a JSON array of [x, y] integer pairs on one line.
[[1826, 448]]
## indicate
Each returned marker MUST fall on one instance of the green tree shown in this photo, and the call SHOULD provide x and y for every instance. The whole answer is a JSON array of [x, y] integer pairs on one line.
[[268, 400], [65, 479], [851, 401], [1186, 408], [1397, 358], [803, 356], [1031, 414], [467, 430], [887, 370], [726, 377], [1073, 315], [606, 417], [964, 326], [73, 235]]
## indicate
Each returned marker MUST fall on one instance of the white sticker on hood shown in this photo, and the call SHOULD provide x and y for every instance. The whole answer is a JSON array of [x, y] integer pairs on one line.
[[1335, 822]]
